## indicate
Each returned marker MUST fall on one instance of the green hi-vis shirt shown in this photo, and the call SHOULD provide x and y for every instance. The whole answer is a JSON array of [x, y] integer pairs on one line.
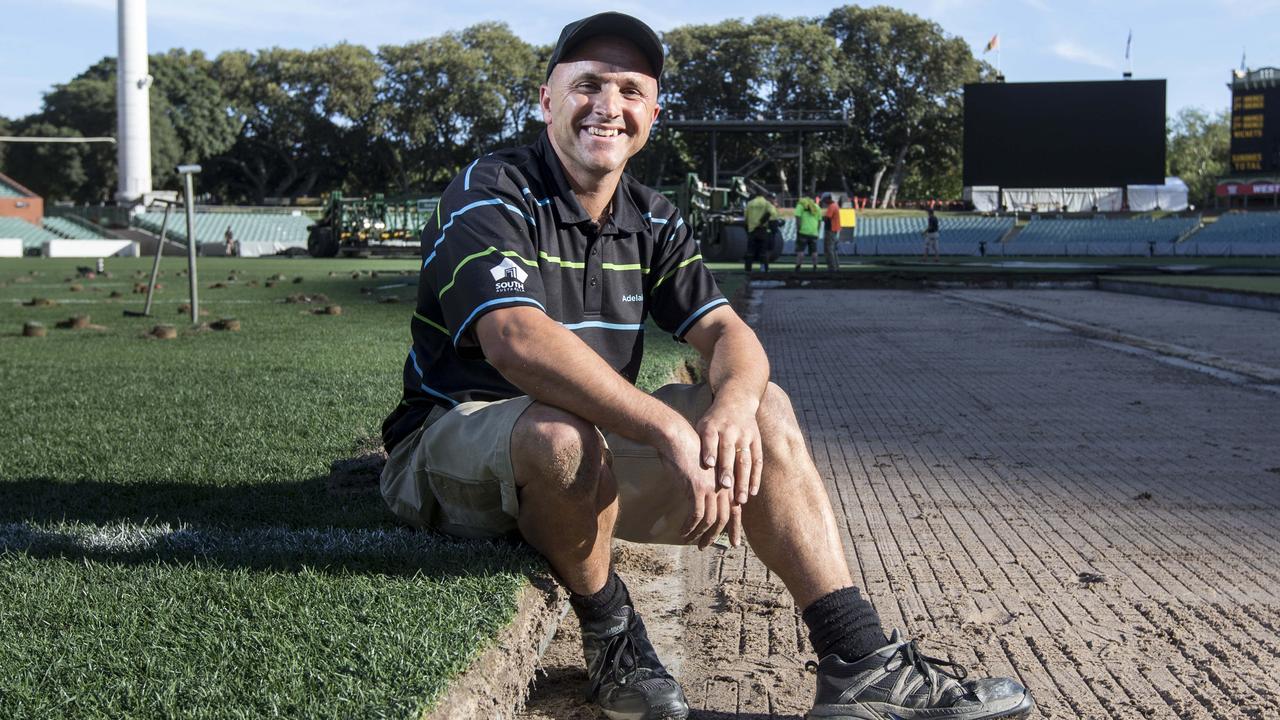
[[759, 211], [509, 232], [808, 217]]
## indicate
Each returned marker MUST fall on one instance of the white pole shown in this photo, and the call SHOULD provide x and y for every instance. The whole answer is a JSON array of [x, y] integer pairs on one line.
[[133, 105]]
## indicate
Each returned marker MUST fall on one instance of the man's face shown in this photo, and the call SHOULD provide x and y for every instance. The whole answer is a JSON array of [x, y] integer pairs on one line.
[[599, 105]]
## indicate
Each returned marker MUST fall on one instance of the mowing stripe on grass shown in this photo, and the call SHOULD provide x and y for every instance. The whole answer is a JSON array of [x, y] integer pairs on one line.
[[397, 548]]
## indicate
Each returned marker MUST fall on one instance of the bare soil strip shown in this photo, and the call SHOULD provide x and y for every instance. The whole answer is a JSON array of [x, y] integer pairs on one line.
[[1097, 524]]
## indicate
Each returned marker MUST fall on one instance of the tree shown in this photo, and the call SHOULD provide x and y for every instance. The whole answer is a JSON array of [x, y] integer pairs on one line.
[[1198, 149], [904, 79], [447, 99], [297, 111]]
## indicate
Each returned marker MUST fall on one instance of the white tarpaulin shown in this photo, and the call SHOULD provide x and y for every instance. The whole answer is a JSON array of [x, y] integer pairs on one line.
[[1172, 195], [90, 248], [985, 198], [1047, 200]]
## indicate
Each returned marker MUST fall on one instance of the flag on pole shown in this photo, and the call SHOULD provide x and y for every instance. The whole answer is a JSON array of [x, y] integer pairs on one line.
[[1128, 44], [993, 43]]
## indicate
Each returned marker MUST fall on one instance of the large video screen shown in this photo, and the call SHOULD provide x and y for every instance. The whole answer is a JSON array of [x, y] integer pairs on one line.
[[1064, 134], [1255, 130]]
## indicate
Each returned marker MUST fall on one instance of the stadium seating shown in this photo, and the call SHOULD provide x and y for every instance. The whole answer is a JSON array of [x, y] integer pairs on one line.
[[1136, 237], [69, 229], [256, 233], [30, 235], [1236, 234], [958, 235]]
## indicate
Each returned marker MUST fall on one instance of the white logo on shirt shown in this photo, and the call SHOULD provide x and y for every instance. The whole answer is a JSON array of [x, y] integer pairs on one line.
[[508, 276]]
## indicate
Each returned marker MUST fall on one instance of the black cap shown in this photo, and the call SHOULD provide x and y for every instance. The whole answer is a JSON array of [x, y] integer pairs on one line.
[[609, 23]]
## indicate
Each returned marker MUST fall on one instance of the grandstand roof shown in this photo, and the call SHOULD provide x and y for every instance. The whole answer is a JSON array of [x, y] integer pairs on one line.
[[1256, 79], [12, 188]]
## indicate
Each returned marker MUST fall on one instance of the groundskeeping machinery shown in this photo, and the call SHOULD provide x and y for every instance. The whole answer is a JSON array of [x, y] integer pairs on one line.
[[717, 218], [364, 226]]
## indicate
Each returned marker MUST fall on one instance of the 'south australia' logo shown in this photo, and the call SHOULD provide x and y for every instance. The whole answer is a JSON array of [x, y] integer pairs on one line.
[[508, 276]]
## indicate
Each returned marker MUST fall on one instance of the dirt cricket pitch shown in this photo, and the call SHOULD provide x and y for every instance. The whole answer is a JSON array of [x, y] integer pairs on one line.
[[1034, 498]]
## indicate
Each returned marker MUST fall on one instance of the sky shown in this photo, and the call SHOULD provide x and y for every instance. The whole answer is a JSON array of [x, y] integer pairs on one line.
[[1192, 44]]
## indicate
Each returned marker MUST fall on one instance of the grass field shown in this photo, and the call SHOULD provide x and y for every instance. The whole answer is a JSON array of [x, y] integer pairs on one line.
[[168, 545]]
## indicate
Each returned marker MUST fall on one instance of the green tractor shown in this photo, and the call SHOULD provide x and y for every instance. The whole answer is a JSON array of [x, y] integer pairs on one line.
[[356, 226], [717, 218]]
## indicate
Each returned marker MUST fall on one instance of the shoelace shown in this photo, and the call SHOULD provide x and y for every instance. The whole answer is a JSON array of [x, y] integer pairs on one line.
[[620, 648], [923, 664]]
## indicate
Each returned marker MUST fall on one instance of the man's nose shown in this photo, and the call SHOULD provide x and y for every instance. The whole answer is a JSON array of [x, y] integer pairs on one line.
[[609, 101]]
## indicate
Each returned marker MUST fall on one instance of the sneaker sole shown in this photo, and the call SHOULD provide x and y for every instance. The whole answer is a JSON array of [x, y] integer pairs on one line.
[[860, 711], [672, 713]]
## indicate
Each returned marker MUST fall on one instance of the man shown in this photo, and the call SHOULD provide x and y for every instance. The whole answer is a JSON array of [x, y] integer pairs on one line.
[[931, 236], [831, 231], [808, 223], [760, 214], [229, 239], [520, 413]]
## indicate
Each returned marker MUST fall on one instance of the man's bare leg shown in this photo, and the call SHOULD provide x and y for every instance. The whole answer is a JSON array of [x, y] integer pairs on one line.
[[790, 524], [568, 497], [568, 508]]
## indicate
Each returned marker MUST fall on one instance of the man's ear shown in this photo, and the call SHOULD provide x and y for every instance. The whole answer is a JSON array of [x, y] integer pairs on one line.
[[544, 102]]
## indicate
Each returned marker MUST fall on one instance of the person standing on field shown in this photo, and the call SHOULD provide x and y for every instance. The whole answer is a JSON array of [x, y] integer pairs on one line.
[[831, 231], [760, 214], [808, 225], [931, 236]]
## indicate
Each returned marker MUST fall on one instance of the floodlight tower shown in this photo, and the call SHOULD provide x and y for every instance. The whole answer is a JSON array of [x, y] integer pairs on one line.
[[133, 104]]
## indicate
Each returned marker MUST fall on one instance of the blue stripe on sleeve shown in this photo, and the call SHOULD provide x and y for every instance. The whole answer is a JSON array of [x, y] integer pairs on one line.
[[697, 314], [496, 301]]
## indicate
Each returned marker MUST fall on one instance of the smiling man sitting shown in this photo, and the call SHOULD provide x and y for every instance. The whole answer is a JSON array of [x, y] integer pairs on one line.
[[520, 414]]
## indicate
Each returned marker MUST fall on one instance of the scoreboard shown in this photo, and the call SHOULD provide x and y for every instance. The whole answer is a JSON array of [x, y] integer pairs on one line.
[[1255, 127], [1064, 134]]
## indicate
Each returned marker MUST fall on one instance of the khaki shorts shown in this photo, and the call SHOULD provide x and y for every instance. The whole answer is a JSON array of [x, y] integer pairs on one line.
[[455, 475]]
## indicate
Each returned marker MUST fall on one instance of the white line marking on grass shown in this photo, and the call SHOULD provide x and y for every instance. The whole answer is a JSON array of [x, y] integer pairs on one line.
[[320, 544], [122, 301]]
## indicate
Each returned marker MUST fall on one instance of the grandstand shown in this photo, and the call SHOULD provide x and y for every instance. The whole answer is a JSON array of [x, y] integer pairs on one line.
[[32, 236], [960, 235], [1255, 234], [70, 229], [1137, 237], [256, 233]]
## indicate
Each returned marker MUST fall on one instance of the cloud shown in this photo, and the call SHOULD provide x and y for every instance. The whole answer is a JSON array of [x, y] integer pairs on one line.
[[1074, 52]]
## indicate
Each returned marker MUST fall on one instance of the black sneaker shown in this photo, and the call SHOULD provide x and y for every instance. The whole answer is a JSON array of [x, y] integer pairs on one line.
[[628, 681], [897, 682]]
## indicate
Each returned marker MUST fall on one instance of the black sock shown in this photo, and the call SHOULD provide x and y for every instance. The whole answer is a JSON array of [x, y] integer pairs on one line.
[[844, 623], [600, 605]]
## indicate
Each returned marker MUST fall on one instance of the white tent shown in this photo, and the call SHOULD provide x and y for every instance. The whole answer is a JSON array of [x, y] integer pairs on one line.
[[1172, 195]]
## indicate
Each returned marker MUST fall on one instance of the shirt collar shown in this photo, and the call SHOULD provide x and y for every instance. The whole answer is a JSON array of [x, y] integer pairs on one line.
[[625, 216]]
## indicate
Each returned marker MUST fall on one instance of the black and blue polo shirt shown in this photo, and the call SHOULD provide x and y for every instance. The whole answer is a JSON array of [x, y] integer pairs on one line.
[[509, 231]]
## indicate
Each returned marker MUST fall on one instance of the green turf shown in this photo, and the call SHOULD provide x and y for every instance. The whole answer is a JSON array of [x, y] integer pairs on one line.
[[1269, 284], [168, 546]]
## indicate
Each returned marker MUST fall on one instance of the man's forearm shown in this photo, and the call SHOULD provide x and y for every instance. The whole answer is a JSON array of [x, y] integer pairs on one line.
[[553, 366], [738, 371]]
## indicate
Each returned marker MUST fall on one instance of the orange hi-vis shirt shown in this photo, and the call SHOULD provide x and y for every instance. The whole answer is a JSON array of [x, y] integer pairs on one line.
[[832, 215]]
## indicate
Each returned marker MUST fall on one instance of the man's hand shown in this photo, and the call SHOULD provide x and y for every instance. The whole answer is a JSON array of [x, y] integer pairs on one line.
[[712, 509], [731, 445]]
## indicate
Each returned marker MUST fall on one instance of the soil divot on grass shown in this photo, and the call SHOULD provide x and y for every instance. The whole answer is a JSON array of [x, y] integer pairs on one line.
[[41, 302], [229, 324], [162, 332], [32, 328]]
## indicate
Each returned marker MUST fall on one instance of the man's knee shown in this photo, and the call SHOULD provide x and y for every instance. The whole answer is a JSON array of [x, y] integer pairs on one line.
[[557, 450], [779, 430]]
